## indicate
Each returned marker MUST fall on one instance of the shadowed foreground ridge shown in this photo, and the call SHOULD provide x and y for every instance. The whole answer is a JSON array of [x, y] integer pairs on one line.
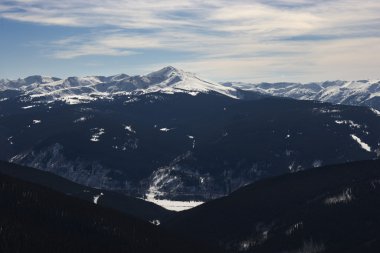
[[128, 205], [37, 219], [329, 209]]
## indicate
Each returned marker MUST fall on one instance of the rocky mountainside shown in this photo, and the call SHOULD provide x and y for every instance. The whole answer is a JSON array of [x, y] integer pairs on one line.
[[362, 92], [329, 209]]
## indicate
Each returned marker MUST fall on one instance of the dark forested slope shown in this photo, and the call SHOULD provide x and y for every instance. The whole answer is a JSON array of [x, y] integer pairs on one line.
[[38, 219], [329, 209], [132, 206]]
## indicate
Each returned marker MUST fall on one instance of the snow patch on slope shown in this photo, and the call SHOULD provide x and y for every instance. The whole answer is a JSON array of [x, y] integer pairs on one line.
[[82, 119], [293, 228], [98, 132], [375, 111], [362, 144], [10, 140], [192, 138], [348, 122], [129, 129], [28, 107], [173, 205], [345, 197], [160, 179], [96, 198]]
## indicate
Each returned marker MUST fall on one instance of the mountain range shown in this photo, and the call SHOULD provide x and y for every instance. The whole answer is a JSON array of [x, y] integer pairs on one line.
[[83, 89], [170, 162], [171, 136], [362, 92], [172, 80]]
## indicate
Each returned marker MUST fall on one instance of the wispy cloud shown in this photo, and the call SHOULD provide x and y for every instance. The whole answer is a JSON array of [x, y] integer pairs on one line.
[[344, 60], [241, 34]]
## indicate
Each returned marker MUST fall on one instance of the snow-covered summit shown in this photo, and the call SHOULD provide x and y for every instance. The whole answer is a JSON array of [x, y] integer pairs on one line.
[[172, 80], [167, 80], [165, 72]]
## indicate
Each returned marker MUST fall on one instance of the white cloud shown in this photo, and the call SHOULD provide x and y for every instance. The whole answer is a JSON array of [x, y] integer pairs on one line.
[[4, 8], [288, 38], [86, 50], [320, 61]]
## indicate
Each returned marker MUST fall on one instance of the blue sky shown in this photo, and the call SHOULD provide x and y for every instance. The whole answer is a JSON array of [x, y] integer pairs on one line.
[[241, 40]]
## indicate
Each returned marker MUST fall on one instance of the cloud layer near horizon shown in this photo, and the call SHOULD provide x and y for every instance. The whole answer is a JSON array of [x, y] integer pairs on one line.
[[257, 39]]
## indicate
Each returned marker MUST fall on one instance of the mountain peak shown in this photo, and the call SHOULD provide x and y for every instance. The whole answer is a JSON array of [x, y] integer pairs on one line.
[[40, 79], [118, 77], [166, 72], [170, 68]]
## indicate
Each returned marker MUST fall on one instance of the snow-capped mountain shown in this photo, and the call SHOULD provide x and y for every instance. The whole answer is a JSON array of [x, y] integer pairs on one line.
[[362, 92], [170, 80], [83, 89]]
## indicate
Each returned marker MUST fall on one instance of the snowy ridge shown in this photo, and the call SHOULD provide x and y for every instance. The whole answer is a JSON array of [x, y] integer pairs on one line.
[[362, 92], [74, 90], [170, 80]]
